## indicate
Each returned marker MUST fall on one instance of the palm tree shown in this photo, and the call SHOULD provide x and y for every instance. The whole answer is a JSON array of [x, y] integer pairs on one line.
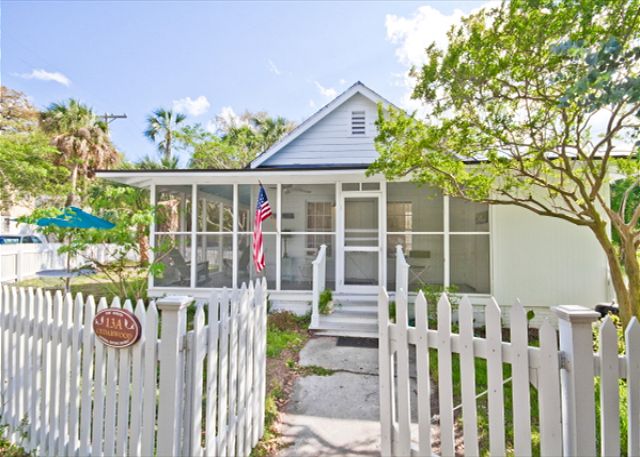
[[270, 130], [81, 139], [162, 126]]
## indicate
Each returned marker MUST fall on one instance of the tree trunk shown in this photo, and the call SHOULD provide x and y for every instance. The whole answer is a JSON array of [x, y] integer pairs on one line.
[[167, 149], [627, 292], [143, 245], [72, 197]]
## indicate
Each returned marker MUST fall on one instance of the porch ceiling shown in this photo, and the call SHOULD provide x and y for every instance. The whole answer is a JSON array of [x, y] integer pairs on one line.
[[144, 178]]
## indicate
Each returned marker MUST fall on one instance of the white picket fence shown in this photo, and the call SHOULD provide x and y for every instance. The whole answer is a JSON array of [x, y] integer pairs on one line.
[[199, 392], [564, 376], [20, 261]]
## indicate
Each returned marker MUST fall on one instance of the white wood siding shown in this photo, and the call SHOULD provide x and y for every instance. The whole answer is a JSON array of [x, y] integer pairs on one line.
[[330, 141], [545, 261]]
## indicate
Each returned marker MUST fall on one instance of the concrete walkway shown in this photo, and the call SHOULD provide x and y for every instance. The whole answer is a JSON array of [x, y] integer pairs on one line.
[[337, 414]]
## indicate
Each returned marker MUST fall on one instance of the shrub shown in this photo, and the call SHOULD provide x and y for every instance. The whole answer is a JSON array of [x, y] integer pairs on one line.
[[324, 306]]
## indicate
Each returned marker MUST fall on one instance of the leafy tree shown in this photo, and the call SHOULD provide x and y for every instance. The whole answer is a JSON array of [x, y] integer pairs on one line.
[[543, 98], [27, 169], [235, 144], [148, 163], [82, 141], [17, 114], [162, 128]]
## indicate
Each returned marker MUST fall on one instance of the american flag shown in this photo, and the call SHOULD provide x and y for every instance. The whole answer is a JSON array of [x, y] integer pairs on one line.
[[263, 211]]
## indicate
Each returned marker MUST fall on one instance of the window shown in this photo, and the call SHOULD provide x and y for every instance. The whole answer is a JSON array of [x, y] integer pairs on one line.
[[358, 123], [399, 216], [319, 219]]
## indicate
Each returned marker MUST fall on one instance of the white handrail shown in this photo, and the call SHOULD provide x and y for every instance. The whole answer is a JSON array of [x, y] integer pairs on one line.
[[402, 273], [319, 284]]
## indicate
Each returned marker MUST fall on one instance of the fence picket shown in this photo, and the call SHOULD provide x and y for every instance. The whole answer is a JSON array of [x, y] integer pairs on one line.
[[212, 373], [223, 375], [233, 371], [403, 379], [263, 350], [111, 381], [45, 375], [98, 393], [123, 386], [137, 376], [199, 348], [549, 393], [520, 380], [257, 341], [423, 376], [468, 377], [250, 388], [55, 374], [445, 381], [6, 352], [28, 377], [632, 338], [74, 378], [609, 390], [36, 370], [494, 379], [22, 357], [65, 364], [149, 407], [87, 377], [242, 360]]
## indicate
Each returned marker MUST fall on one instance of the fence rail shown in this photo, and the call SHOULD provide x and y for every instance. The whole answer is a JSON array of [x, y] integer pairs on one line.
[[563, 371], [20, 261], [174, 392]]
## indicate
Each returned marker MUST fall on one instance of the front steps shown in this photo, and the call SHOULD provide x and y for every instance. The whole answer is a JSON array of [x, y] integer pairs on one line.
[[351, 317]]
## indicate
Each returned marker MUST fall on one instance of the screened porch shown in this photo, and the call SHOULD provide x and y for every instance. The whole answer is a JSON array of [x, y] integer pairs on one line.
[[206, 231]]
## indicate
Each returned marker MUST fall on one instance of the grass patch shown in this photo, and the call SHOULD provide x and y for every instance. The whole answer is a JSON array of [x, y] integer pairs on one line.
[[286, 336], [97, 285], [314, 370]]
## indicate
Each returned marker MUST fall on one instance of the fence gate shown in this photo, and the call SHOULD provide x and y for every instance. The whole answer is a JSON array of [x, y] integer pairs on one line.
[[175, 392], [534, 398]]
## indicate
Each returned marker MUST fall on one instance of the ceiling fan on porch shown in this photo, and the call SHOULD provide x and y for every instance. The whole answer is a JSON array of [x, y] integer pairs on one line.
[[289, 188]]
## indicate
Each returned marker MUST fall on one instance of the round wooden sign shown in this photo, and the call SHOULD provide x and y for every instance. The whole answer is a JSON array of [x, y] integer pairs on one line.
[[117, 328]]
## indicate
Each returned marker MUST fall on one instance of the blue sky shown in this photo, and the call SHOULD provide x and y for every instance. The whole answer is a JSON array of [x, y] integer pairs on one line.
[[286, 58]]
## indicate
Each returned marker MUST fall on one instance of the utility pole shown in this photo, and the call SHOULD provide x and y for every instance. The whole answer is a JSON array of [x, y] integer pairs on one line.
[[110, 117]]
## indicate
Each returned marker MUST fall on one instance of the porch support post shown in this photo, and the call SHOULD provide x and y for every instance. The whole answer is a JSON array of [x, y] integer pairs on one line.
[[577, 379]]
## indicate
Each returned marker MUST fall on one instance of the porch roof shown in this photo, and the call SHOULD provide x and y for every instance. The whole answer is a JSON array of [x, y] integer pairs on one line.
[[293, 175]]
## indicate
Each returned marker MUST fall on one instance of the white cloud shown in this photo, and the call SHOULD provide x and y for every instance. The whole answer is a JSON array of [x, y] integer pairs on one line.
[[328, 92], [273, 68], [414, 34], [343, 82], [192, 107], [44, 75]]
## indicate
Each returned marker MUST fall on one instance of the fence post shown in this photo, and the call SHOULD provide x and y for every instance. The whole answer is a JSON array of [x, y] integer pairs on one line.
[[577, 379], [173, 329]]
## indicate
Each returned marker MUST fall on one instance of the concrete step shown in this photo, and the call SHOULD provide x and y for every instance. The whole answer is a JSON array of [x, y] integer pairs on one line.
[[348, 333], [351, 308], [342, 327], [350, 317]]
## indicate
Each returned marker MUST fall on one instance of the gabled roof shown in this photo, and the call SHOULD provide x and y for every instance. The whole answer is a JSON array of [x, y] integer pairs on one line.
[[357, 88]]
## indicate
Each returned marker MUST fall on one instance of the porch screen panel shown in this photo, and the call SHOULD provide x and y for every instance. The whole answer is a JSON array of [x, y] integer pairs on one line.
[[214, 254], [413, 208], [298, 253], [246, 268], [215, 208], [174, 252], [466, 216], [308, 221], [425, 256], [247, 200], [174, 209], [470, 263]]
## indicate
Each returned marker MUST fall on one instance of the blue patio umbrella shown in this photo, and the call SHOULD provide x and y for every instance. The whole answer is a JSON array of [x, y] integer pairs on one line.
[[73, 217]]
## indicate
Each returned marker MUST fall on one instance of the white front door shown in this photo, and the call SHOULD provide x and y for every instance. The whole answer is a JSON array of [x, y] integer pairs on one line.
[[360, 246]]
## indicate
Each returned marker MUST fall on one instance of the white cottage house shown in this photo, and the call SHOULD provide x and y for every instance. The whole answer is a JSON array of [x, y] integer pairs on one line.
[[316, 183]]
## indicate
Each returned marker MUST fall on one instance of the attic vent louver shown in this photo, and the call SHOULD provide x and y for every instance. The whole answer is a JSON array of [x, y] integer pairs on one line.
[[357, 122]]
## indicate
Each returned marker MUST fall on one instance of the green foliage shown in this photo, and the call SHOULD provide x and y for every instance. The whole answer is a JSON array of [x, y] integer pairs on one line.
[[17, 114], [283, 332], [162, 129], [324, 304], [528, 106], [235, 144], [28, 168], [392, 311], [128, 208]]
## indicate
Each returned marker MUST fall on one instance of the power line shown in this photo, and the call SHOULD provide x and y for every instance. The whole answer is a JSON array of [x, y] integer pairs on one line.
[[108, 118]]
